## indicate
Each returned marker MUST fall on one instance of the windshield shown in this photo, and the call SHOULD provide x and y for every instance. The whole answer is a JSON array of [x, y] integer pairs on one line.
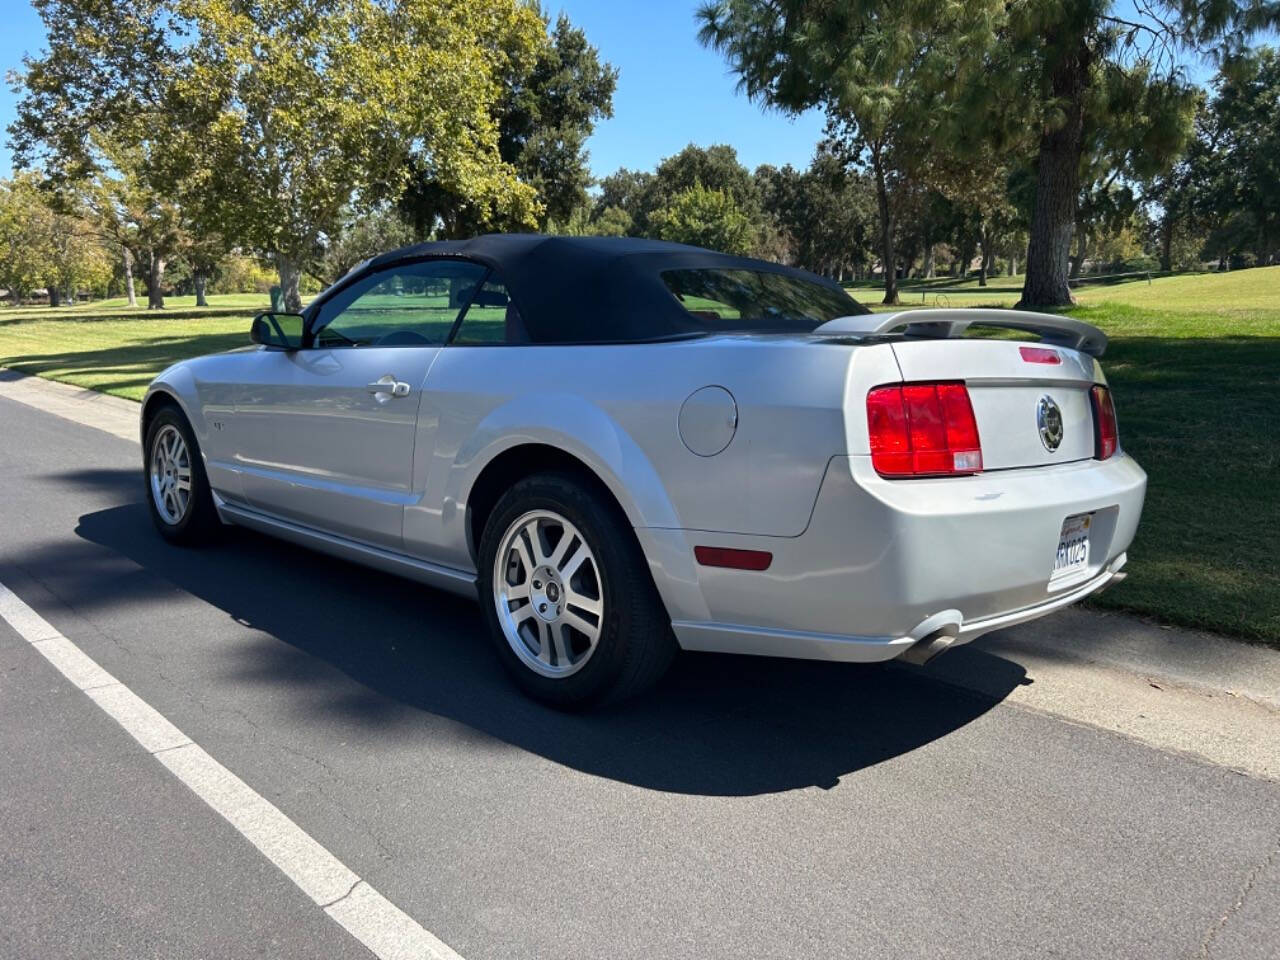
[[757, 301]]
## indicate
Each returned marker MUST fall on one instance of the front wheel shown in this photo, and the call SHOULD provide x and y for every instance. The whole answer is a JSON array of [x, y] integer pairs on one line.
[[568, 597], [178, 495]]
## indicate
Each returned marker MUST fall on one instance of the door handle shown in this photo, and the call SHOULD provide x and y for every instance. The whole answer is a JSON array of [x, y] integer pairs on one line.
[[389, 385]]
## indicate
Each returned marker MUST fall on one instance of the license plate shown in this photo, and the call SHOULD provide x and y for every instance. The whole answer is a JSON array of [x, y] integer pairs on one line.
[[1073, 547]]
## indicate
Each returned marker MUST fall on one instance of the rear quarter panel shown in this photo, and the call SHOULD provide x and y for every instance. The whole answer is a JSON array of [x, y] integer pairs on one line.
[[616, 407]]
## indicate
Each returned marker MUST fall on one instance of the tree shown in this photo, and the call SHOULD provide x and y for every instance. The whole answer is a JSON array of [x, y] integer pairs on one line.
[[264, 119], [1245, 127], [878, 70], [967, 192], [76, 258], [825, 214], [45, 246], [948, 78], [641, 195], [314, 102], [548, 106], [586, 221], [705, 218], [546, 118], [363, 235], [1061, 61], [612, 222], [625, 190], [714, 168], [132, 216], [24, 254]]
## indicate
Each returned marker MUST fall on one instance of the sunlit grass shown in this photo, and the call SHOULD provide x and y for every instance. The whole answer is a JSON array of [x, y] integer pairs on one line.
[[116, 356], [218, 303]]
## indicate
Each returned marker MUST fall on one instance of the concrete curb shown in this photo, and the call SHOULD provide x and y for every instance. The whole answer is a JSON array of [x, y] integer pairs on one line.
[[113, 415]]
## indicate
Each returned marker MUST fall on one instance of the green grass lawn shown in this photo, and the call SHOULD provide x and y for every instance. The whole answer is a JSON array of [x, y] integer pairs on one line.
[[1194, 362], [119, 306], [114, 355]]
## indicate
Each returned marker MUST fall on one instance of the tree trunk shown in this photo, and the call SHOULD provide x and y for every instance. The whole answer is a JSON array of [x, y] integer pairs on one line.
[[966, 257], [55, 295], [1013, 264], [198, 278], [1166, 242], [984, 266], [928, 270], [290, 273], [887, 254], [1082, 250], [1057, 186], [128, 278], [155, 279]]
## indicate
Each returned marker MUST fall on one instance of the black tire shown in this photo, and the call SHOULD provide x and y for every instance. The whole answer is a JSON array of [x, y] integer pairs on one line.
[[199, 524], [636, 644]]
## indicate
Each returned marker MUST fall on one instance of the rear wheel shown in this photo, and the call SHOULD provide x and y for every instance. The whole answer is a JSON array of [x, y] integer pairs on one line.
[[178, 494], [567, 595]]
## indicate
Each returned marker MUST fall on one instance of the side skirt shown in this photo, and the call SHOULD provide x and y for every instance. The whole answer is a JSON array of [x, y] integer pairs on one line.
[[459, 582]]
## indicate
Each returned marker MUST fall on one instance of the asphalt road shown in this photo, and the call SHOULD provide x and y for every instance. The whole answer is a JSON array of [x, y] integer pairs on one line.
[[748, 808]]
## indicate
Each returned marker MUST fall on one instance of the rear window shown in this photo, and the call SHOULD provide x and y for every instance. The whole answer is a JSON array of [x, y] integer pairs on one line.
[[757, 301]]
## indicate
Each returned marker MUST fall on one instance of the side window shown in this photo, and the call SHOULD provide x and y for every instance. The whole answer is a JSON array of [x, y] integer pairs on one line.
[[492, 318], [412, 305]]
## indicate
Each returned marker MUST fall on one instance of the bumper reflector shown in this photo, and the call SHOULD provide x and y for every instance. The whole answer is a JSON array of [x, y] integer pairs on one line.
[[734, 559]]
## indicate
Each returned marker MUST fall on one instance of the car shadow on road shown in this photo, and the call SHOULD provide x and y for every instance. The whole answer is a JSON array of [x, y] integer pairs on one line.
[[717, 725]]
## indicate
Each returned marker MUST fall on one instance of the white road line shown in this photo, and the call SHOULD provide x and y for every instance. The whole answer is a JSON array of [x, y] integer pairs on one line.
[[367, 915]]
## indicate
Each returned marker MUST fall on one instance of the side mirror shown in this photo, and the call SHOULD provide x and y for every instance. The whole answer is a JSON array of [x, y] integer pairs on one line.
[[283, 331]]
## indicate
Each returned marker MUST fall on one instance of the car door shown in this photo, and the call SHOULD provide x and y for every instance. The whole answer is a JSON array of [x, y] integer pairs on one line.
[[327, 431]]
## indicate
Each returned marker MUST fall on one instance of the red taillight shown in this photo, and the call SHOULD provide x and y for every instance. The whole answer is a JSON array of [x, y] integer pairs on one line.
[[1106, 436], [923, 430], [1039, 355], [732, 558]]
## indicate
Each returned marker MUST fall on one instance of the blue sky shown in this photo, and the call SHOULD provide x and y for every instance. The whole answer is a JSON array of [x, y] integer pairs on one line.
[[671, 91]]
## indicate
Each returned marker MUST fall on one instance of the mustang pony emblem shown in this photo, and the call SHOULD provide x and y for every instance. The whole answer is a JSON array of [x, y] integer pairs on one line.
[[1049, 420]]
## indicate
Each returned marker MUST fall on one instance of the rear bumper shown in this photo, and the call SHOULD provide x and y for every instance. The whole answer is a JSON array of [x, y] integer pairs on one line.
[[884, 565], [926, 640]]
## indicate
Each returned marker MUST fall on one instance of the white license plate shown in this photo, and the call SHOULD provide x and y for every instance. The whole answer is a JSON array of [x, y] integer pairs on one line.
[[1073, 546]]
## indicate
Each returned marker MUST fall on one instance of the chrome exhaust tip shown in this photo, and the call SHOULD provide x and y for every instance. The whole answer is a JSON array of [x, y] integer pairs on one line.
[[922, 651]]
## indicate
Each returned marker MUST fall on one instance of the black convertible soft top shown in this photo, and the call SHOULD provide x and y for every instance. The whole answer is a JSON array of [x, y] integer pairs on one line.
[[592, 289]]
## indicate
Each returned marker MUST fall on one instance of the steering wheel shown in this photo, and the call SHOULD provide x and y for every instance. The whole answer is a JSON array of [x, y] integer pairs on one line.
[[401, 338]]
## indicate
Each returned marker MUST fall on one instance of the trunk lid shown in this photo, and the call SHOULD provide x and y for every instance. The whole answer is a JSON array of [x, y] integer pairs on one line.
[[1007, 391]]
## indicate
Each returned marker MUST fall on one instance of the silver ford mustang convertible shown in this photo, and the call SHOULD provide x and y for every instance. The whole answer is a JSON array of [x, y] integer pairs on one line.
[[625, 447]]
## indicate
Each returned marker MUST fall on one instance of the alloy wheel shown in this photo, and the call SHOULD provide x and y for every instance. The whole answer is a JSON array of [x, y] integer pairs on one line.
[[170, 475], [548, 594]]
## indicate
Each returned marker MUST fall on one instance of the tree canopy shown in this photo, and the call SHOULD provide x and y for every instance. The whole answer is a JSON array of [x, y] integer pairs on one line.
[[549, 103], [880, 71], [271, 117], [1055, 86]]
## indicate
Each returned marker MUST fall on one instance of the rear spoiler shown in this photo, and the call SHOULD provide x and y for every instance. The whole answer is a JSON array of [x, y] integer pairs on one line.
[[944, 324]]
